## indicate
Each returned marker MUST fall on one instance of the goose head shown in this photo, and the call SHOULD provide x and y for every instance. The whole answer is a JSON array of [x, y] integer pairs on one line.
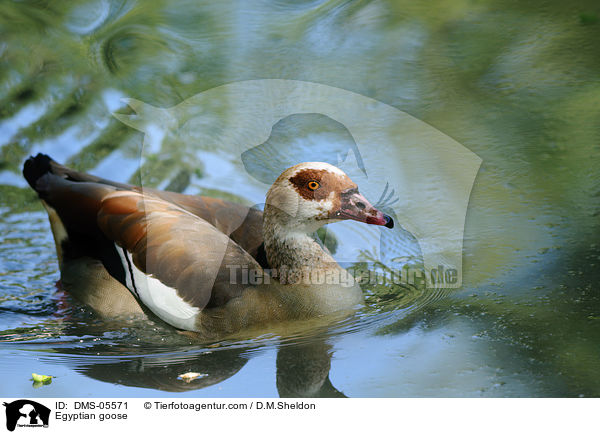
[[310, 195]]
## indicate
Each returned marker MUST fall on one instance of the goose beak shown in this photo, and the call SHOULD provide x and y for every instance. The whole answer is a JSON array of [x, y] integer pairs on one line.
[[354, 206]]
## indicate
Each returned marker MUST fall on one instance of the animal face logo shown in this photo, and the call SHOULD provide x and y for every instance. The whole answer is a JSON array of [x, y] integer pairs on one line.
[[25, 412], [422, 177]]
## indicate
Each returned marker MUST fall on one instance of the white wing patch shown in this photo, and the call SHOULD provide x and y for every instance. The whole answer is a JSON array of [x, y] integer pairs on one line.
[[161, 299]]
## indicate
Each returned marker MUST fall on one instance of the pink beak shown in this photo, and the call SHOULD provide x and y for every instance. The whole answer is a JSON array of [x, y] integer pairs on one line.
[[355, 206]]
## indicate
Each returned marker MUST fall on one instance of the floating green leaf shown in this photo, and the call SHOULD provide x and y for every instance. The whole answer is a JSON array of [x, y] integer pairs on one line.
[[39, 380]]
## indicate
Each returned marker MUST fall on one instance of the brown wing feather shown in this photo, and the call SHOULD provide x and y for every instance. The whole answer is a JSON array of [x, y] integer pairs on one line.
[[243, 224], [177, 247], [77, 203]]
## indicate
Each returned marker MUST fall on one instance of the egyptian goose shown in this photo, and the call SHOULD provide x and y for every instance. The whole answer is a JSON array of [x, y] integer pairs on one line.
[[198, 263]]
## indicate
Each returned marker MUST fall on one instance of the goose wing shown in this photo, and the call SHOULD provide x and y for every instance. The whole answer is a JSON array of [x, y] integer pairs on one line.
[[174, 261], [242, 223]]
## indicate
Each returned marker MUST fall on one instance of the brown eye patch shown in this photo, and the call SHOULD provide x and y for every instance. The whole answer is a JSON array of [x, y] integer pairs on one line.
[[317, 184]]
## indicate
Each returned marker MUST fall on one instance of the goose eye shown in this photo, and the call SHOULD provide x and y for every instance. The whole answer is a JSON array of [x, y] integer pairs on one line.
[[313, 185]]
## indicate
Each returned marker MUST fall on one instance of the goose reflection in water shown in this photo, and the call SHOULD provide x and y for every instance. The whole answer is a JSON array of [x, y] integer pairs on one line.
[[302, 368]]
